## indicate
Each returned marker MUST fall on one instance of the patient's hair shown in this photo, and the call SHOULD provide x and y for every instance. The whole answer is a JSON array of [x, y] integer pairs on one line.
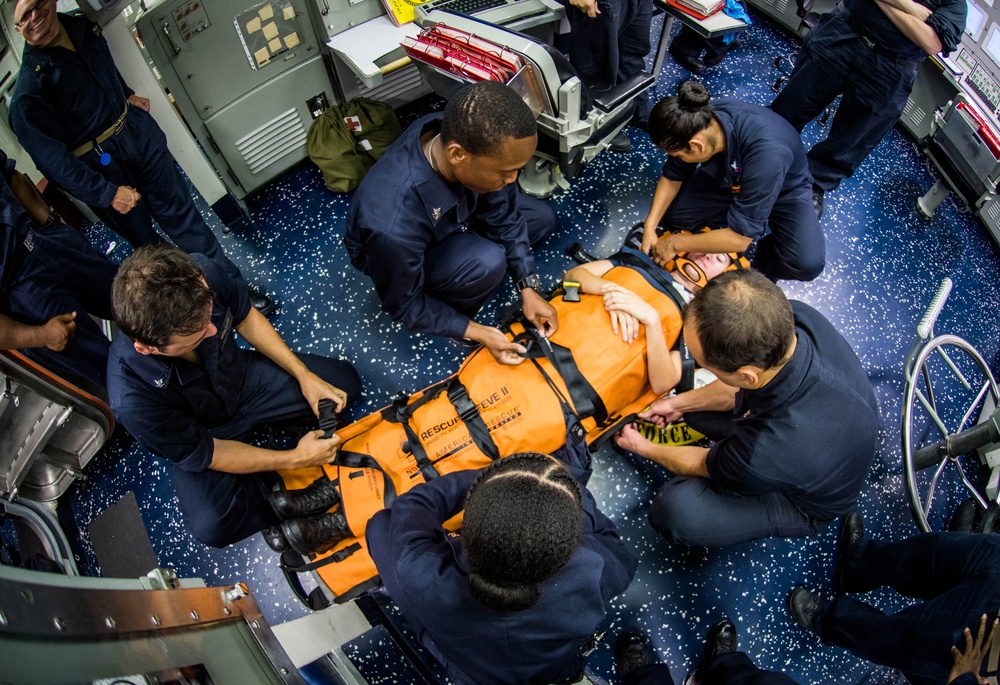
[[159, 291], [482, 116], [742, 319], [522, 524], [676, 119]]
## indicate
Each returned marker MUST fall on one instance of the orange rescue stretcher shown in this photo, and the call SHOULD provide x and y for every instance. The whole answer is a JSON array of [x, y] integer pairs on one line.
[[574, 391]]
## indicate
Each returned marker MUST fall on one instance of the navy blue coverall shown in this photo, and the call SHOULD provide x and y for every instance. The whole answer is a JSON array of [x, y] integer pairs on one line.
[[437, 251], [957, 575], [782, 466], [732, 668], [425, 570], [51, 270], [611, 48], [858, 52], [63, 99], [175, 408], [760, 181]]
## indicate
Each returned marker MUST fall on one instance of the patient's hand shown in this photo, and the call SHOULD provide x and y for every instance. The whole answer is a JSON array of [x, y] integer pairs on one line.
[[662, 411], [619, 299], [631, 439]]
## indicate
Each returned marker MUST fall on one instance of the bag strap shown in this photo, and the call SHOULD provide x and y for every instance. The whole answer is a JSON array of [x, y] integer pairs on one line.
[[473, 420], [586, 400], [291, 566], [363, 461]]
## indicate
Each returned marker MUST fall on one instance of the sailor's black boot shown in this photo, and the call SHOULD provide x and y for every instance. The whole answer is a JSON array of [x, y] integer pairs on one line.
[[316, 498], [316, 534]]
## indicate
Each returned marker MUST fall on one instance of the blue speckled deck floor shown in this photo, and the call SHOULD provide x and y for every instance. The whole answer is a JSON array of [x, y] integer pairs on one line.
[[883, 264]]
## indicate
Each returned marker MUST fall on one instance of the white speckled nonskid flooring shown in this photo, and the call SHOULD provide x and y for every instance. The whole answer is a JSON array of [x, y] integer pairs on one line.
[[883, 265]]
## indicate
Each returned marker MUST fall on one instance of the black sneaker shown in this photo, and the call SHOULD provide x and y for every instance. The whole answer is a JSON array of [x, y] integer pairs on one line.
[[964, 518], [721, 640], [620, 143], [818, 194], [317, 497], [689, 62], [261, 302], [631, 652], [850, 533], [317, 534], [803, 605]]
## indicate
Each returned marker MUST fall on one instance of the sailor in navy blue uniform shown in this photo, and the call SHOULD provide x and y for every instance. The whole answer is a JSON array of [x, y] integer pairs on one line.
[[438, 220], [609, 41], [426, 571], [793, 415], [739, 170], [869, 51], [955, 577], [67, 96], [191, 395], [50, 280]]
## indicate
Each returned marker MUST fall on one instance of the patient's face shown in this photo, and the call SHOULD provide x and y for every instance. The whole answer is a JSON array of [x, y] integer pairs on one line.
[[490, 173], [711, 264]]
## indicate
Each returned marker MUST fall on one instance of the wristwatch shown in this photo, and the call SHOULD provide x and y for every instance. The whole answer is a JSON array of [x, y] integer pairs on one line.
[[532, 282]]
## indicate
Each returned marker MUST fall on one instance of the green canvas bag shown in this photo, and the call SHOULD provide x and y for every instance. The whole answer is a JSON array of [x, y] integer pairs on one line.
[[345, 140]]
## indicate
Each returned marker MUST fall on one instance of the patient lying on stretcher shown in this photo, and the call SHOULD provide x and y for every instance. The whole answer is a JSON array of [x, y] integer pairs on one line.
[[584, 379], [628, 311]]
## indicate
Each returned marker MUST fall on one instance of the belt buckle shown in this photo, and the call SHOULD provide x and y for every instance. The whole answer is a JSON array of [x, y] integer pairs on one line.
[[120, 124], [868, 41]]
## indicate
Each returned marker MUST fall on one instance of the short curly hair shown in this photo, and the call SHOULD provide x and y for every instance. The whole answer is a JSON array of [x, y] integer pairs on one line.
[[482, 116], [159, 291]]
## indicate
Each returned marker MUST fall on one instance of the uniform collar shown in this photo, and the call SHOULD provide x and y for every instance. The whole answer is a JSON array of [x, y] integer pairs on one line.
[[158, 371], [437, 195], [786, 383], [36, 59]]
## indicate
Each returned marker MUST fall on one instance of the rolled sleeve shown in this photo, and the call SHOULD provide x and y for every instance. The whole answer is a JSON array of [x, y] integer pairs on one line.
[[677, 170], [229, 292], [729, 465], [760, 184], [948, 22]]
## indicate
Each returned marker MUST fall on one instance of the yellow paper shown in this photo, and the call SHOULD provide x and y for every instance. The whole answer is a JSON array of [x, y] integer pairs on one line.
[[291, 40], [266, 13], [253, 26], [270, 31], [262, 57], [275, 46], [288, 12]]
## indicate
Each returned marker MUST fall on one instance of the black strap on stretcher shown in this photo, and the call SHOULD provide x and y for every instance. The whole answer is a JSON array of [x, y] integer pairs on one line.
[[586, 400], [469, 413], [355, 460], [401, 412]]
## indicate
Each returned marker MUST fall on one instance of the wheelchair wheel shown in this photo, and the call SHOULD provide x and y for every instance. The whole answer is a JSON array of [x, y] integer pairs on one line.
[[949, 389]]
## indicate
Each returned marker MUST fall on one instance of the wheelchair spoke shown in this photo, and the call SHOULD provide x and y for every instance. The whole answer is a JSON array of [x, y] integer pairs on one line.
[[972, 407], [951, 364], [933, 485]]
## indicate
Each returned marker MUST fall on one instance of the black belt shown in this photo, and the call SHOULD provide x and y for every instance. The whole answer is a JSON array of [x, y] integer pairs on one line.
[[875, 47]]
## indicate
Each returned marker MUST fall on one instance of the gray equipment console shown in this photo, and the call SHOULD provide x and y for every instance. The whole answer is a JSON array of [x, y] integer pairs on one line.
[[247, 80]]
